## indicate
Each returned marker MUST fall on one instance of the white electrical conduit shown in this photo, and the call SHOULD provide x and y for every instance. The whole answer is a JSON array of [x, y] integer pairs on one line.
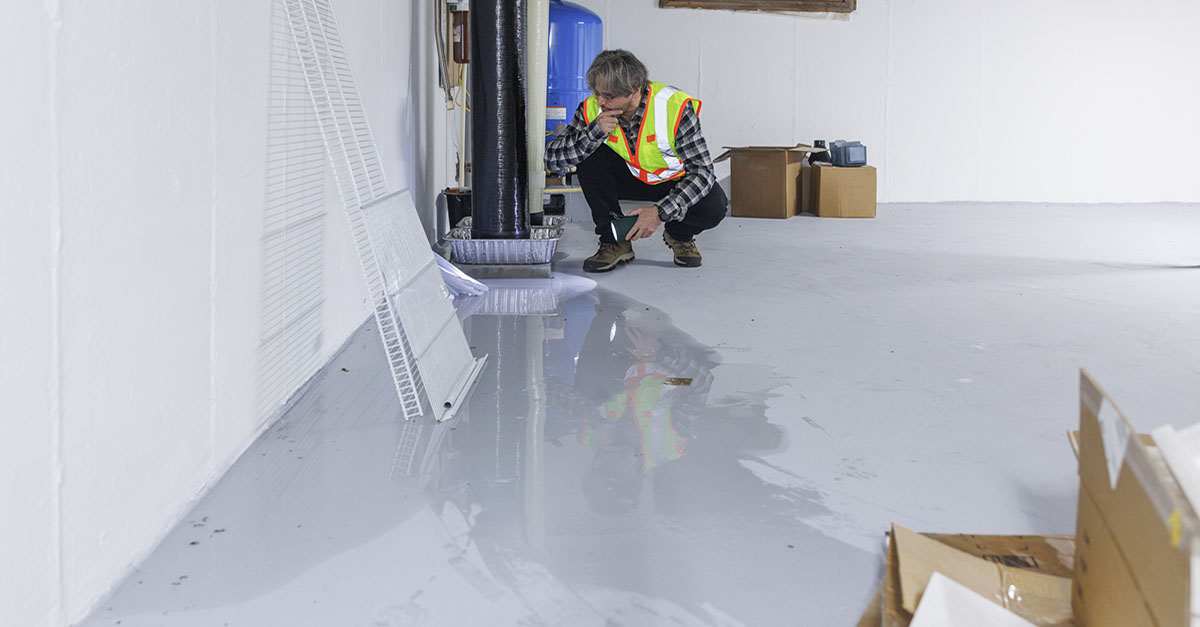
[[537, 44], [439, 35], [462, 135]]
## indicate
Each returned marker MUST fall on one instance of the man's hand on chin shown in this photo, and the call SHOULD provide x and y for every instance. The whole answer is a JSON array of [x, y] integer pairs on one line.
[[647, 222], [607, 120]]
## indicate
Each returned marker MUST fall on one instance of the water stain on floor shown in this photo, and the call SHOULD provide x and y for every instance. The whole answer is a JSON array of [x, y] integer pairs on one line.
[[583, 483]]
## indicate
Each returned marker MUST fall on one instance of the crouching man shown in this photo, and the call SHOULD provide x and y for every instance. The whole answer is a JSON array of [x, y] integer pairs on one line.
[[653, 151]]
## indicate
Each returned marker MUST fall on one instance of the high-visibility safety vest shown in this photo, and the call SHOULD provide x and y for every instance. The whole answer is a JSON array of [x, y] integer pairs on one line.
[[654, 159]]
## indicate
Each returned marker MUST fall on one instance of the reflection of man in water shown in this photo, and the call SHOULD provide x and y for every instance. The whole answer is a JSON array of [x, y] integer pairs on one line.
[[644, 425], [711, 496]]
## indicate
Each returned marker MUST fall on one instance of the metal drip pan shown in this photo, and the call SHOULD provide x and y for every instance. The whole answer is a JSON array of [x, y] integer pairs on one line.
[[538, 249], [546, 221]]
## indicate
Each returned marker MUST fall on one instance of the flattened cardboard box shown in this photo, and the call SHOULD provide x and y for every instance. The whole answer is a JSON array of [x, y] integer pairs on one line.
[[843, 192], [765, 180], [1037, 565], [1134, 542], [1051, 555]]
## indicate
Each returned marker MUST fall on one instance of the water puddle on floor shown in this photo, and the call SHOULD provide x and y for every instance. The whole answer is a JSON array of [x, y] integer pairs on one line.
[[597, 474]]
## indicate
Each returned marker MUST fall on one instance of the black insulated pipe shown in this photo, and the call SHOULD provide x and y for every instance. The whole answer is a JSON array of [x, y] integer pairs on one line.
[[500, 185]]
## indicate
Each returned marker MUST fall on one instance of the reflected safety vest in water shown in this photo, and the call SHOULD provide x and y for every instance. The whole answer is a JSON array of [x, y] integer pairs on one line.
[[648, 397], [654, 159]]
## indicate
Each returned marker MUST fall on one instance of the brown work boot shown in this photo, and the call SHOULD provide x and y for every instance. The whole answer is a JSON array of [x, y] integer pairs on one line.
[[608, 257], [686, 253]]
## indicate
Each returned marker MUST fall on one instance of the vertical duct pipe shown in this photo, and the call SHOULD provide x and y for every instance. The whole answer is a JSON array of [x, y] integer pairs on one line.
[[500, 168], [536, 48]]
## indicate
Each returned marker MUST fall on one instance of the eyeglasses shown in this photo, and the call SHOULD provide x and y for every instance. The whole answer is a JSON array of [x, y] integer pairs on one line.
[[611, 96]]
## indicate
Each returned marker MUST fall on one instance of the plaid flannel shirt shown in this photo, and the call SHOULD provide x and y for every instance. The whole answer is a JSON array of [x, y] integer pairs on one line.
[[580, 139]]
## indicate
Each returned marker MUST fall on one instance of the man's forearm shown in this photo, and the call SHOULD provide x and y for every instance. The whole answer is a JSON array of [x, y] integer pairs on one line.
[[694, 186], [573, 145]]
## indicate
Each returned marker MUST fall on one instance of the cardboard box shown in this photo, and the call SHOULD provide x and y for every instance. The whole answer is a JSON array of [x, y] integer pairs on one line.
[[1039, 567], [765, 180], [843, 192], [1131, 557], [1135, 541]]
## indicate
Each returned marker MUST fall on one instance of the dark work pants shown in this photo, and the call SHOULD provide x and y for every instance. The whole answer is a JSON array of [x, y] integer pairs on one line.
[[605, 179]]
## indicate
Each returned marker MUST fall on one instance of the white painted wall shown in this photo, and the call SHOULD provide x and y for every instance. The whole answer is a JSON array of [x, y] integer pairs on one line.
[[974, 100], [28, 351], [133, 179]]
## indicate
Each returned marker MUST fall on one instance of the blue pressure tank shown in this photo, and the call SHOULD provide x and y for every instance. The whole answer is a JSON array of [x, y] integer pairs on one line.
[[576, 37]]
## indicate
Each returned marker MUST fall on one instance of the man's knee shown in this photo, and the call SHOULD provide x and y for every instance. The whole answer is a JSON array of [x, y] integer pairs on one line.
[[592, 166], [713, 207]]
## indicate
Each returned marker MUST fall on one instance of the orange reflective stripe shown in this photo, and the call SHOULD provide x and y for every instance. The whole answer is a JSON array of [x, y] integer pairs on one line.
[[645, 176], [675, 131], [633, 154], [642, 126], [672, 177]]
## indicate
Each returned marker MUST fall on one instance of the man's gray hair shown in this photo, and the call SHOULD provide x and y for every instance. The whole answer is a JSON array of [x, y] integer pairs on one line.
[[619, 70]]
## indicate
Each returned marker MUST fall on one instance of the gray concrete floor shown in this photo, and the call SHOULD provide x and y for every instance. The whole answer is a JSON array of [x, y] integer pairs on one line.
[[826, 378]]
